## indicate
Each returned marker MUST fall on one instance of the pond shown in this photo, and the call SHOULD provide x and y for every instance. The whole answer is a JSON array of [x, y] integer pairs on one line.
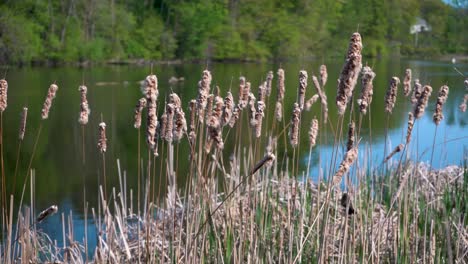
[[62, 169]]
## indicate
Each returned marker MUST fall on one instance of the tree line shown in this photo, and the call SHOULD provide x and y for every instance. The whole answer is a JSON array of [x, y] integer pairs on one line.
[[58, 31]]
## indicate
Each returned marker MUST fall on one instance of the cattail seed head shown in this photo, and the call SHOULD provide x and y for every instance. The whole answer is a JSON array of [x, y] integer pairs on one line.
[[209, 107], [267, 160], [151, 122], [51, 93], [192, 110], [313, 132], [262, 92], [311, 101], [84, 107], [422, 101], [3, 94], [180, 124], [462, 106], [390, 97], [168, 132], [302, 88], [349, 73], [235, 116], [102, 141], [407, 82], [217, 112], [138, 110], [162, 126], [417, 91], [268, 82], [281, 88], [22, 129], [351, 138], [259, 114], [410, 127], [294, 129], [441, 99], [242, 97], [323, 75], [348, 160], [46, 213], [252, 109], [175, 100], [203, 93], [397, 149], [367, 89], [149, 87], [279, 111], [228, 108]]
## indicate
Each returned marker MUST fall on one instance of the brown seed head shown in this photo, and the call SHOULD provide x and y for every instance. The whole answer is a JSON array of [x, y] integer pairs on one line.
[[170, 111], [259, 114], [348, 160], [367, 89], [180, 124], [422, 101], [302, 88], [3, 94], [294, 128], [281, 88], [151, 122], [46, 213], [351, 138], [84, 107], [462, 106], [390, 97], [235, 116], [323, 75], [410, 127], [279, 111], [22, 129], [407, 82], [311, 101], [313, 132], [441, 99], [138, 110], [397, 149], [417, 91], [102, 141], [228, 108], [262, 92], [51, 93], [268, 83], [203, 93]]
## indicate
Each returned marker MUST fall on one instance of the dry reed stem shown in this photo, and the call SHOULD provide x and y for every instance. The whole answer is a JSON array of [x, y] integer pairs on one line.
[[323, 75], [311, 101], [396, 150], [268, 83], [51, 93], [410, 127], [3, 94], [313, 132], [441, 99], [279, 111], [323, 98], [302, 88], [84, 107], [138, 110], [351, 137], [294, 128], [259, 114], [349, 73], [192, 127], [407, 82], [390, 97], [227, 109], [462, 106], [367, 89], [46, 213], [348, 160], [22, 129], [422, 101], [102, 141], [203, 93]]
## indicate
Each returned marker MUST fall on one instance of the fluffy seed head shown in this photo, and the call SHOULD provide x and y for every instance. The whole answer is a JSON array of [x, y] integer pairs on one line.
[[390, 97], [168, 133], [149, 87], [281, 88], [22, 129], [180, 124], [410, 127], [228, 108], [259, 114], [102, 141], [294, 128], [262, 92], [311, 101], [151, 122], [302, 88], [462, 106], [203, 93], [138, 110], [417, 91], [268, 82], [84, 107], [422, 101], [323, 75], [397, 149], [51, 93], [313, 132], [3, 94], [348, 160], [407, 82], [367, 89], [351, 137], [235, 116], [441, 99]]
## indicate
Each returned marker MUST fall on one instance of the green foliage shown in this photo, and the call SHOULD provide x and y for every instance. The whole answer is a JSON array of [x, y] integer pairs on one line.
[[89, 30]]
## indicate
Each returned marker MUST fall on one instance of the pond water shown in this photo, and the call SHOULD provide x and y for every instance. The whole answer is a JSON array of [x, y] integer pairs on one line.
[[114, 90]]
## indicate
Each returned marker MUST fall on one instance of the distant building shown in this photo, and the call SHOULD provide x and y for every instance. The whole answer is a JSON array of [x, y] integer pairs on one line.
[[421, 25]]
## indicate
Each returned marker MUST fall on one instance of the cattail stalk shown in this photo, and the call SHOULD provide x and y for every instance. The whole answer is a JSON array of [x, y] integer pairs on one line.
[[302, 88], [422, 101], [351, 137], [3, 94], [390, 97], [441, 99], [348, 160], [51, 93], [407, 82], [349, 73], [268, 82], [396, 150], [410, 127], [138, 110], [294, 129], [313, 132], [367, 89], [84, 107], [323, 98], [323, 75]]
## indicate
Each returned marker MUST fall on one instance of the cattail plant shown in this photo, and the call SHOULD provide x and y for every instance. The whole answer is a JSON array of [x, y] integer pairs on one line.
[[348, 160], [323, 98], [162, 126], [259, 114], [51, 93], [313, 132], [410, 127], [203, 93], [462, 106], [417, 91], [396, 150], [294, 128], [235, 116], [302, 88], [267, 160], [214, 136], [217, 112], [84, 107], [180, 124], [351, 137], [280, 95], [152, 123], [407, 82], [22, 128], [168, 131], [311, 101], [252, 109], [138, 110], [209, 107], [46, 213], [3, 94], [228, 108], [262, 92], [102, 141], [441, 99], [367, 89], [192, 110], [174, 99], [279, 111], [268, 82], [323, 75], [390, 97], [422, 101], [244, 91], [349, 73]]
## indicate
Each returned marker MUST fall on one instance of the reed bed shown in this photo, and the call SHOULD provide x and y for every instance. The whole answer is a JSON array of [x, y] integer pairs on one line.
[[258, 205]]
